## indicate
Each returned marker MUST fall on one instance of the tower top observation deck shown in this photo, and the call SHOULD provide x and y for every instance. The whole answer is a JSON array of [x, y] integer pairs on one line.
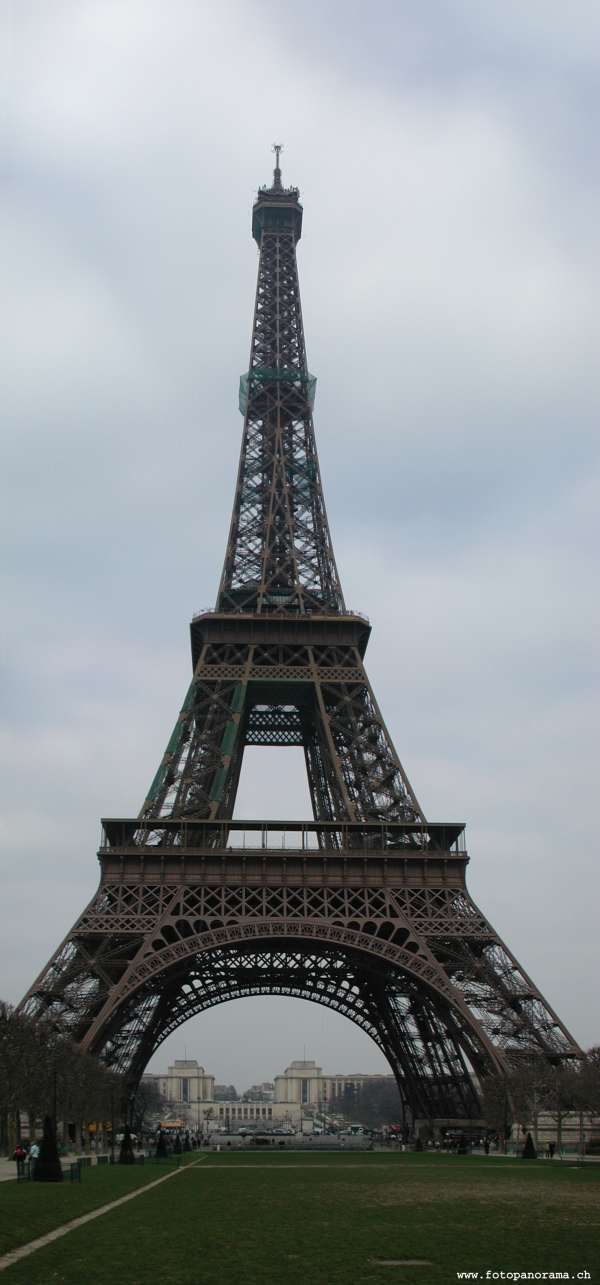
[[277, 208]]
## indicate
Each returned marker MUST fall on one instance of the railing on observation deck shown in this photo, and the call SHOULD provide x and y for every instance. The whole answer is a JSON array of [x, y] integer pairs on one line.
[[388, 837], [291, 611]]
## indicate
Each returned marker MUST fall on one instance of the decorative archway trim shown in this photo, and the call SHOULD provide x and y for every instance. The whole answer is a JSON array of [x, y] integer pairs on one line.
[[419, 963]]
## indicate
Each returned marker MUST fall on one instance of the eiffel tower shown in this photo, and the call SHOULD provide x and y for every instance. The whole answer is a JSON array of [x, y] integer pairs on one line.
[[364, 908]]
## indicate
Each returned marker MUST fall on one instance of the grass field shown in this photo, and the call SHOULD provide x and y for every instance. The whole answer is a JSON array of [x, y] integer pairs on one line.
[[29, 1210], [297, 1219]]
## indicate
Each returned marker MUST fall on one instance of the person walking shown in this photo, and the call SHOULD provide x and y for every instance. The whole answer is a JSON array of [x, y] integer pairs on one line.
[[20, 1155], [34, 1153]]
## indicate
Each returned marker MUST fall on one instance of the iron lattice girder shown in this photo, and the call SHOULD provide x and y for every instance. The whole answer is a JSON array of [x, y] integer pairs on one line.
[[308, 688], [279, 554], [159, 912], [454, 999], [349, 984], [274, 725], [365, 909]]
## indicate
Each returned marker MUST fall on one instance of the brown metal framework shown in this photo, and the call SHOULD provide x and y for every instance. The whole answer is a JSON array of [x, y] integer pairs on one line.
[[363, 909]]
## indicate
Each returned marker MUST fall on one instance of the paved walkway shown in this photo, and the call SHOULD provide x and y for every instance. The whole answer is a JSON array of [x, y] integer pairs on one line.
[[8, 1168], [23, 1251]]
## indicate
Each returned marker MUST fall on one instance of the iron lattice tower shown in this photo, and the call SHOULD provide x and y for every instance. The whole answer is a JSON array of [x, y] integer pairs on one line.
[[365, 908]]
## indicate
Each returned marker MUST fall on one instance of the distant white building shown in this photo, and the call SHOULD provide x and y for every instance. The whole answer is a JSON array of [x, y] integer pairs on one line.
[[189, 1094], [304, 1084], [185, 1082], [264, 1092], [302, 1090]]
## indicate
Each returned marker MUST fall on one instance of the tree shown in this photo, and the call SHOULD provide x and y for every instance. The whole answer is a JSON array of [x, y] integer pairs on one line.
[[589, 1087], [344, 1103], [379, 1103], [559, 1095], [537, 1086], [374, 1103], [517, 1097], [44, 1073], [11, 1055], [148, 1105], [226, 1093], [497, 1107], [586, 1092], [48, 1166]]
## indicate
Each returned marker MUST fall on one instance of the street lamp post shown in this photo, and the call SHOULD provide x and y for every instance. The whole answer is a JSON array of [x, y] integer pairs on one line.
[[112, 1125], [54, 1097]]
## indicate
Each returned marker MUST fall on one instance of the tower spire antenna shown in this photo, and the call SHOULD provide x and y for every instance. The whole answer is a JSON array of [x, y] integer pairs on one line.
[[277, 148]]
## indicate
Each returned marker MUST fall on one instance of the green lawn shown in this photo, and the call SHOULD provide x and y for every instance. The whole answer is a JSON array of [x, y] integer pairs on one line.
[[326, 1219], [29, 1209]]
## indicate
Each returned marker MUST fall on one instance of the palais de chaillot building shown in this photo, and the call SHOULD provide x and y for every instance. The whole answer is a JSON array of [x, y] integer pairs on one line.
[[363, 907]]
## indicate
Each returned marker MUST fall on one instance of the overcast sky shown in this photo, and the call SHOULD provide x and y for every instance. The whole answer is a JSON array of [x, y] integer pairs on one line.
[[448, 165]]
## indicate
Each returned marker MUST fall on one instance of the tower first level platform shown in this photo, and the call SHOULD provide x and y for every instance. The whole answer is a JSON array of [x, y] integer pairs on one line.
[[373, 920]]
